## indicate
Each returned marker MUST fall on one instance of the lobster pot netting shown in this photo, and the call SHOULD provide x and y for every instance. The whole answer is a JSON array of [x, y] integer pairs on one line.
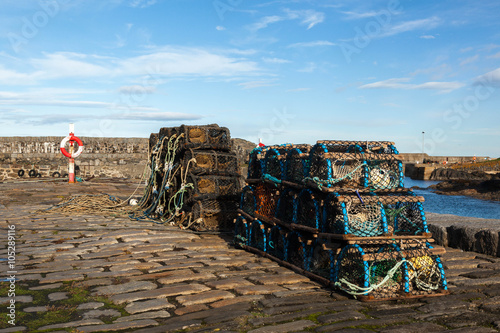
[[248, 202], [276, 242], [286, 206], [213, 214], [241, 231], [296, 165], [266, 199], [212, 185], [321, 260], [258, 235], [354, 217], [212, 162], [376, 147], [388, 271], [274, 163], [308, 209], [405, 215], [256, 163], [206, 137], [297, 250], [356, 170]]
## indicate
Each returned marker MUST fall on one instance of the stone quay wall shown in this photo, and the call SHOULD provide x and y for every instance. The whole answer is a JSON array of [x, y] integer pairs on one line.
[[102, 157]]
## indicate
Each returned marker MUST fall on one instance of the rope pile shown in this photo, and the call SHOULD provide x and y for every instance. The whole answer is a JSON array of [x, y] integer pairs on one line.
[[194, 180], [338, 212]]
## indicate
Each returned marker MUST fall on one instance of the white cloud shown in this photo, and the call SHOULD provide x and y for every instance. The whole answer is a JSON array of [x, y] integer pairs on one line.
[[401, 83], [355, 16], [276, 61], [136, 90], [311, 67], [469, 60], [142, 3], [298, 89], [220, 28], [157, 116], [307, 17], [427, 37], [466, 49], [490, 78], [166, 61], [495, 56], [257, 84], [313, 44], [427, 23], [265, 21]]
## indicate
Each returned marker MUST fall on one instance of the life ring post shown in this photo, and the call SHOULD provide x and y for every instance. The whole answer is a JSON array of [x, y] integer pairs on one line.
[[71, 155]]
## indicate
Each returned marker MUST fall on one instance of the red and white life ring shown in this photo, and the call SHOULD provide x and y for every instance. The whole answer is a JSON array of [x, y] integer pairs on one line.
[[71, 138]]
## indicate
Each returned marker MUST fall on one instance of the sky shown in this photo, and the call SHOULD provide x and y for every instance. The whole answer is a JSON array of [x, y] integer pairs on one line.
[[424, 74]]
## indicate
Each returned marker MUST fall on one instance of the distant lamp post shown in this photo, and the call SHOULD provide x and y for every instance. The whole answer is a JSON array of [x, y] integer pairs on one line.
[[423, 141]]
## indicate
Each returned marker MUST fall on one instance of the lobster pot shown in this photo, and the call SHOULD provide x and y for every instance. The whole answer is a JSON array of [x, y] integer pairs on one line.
[[308, 209], [296, 165], [388, 270], [153, 141], [321, 260], [206, 137], [298, 250], [211, 162], [274, 163], [375, 147], [256, 163], [276, 242], [356, 170], [405, 213], [347, 215], [258, 235], [248, 202], [266, 199], [212, 185], [214, 214], [241, 231], [286, 205]]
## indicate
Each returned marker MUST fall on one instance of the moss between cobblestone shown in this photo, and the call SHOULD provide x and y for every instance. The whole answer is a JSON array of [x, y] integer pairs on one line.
[[58, 312]]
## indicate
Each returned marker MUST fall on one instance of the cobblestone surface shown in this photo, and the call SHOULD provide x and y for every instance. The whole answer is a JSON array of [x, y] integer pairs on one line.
[[139, 276]]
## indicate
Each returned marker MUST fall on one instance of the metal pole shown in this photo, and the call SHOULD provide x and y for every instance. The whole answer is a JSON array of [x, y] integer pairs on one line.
[[423, 145], [71, 165]]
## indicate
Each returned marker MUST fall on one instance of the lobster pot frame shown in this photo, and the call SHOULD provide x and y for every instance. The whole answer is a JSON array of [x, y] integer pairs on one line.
[[276, 242], [206, 137], [405, 213], [296, 165], [274, 162], [266, 199], [214, 214], [256, 163], [309, 209], [241, 231], [212, 185], [376, 147], [389, 271], [356, 170], [153, 141], [297, 250], [286, 205], [347, 215], [322, 260], [248, 202], [257, 235], [212, 162]]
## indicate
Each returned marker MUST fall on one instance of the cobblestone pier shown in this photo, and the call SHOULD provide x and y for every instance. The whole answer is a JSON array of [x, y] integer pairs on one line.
[[105, 273]]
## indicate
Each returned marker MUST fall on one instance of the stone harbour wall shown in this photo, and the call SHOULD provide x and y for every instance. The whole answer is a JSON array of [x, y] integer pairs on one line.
[[102, 157]]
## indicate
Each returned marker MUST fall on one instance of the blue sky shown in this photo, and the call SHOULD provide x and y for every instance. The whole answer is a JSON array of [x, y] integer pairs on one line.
[[286, 71]]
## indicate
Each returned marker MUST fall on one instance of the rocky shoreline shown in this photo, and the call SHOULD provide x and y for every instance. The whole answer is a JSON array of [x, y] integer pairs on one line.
[[477, 184]]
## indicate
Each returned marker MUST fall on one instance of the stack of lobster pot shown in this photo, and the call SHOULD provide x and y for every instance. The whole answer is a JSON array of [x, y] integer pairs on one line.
[[194, 181], [338, 213]]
